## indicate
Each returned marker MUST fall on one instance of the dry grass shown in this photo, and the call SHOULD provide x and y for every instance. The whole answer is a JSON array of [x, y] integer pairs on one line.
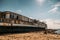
[[30, 36]]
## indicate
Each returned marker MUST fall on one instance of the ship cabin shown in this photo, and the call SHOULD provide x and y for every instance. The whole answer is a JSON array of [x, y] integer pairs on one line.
[[8, 18]]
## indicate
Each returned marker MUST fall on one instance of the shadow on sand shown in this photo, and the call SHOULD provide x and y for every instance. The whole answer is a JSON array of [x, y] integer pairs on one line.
[[12, 30]]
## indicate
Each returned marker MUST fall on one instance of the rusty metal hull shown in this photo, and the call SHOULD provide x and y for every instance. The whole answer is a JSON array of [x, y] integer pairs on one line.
[[17, 29]]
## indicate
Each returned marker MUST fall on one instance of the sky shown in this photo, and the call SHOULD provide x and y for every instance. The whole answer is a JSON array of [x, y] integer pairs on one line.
[[43, 10]]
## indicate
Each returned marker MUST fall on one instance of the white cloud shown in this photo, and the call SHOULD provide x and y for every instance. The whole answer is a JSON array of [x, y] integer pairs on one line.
[[31, 17], [57, 4], [40, 2], [18, 11], [55, 8], [52, 24]]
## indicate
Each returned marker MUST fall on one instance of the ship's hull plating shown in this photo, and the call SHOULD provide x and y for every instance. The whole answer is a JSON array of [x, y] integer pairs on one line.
[[17, 29]]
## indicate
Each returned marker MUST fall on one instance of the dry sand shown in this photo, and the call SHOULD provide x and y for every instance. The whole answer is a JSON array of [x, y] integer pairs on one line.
[[31, 36]]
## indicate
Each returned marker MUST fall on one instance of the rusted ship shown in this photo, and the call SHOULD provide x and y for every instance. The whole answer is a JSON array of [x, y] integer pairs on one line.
[[10, 21]]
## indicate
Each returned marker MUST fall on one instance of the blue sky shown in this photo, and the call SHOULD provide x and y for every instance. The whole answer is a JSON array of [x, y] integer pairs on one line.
[[30, 8], [36, 9]]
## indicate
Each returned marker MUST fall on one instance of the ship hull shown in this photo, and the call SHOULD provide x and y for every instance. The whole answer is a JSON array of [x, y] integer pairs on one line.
[[18, 29]]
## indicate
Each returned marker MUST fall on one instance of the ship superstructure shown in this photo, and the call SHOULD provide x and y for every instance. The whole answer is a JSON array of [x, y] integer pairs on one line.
[[8, 18]]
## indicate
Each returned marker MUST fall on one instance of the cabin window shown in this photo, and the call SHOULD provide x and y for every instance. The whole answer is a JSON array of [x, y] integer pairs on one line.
[[7, 15], [11, 15], [0, 20], [26, 19], [20, 17], [30, 20], [4, 16], [17, 17], [23, 18]]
